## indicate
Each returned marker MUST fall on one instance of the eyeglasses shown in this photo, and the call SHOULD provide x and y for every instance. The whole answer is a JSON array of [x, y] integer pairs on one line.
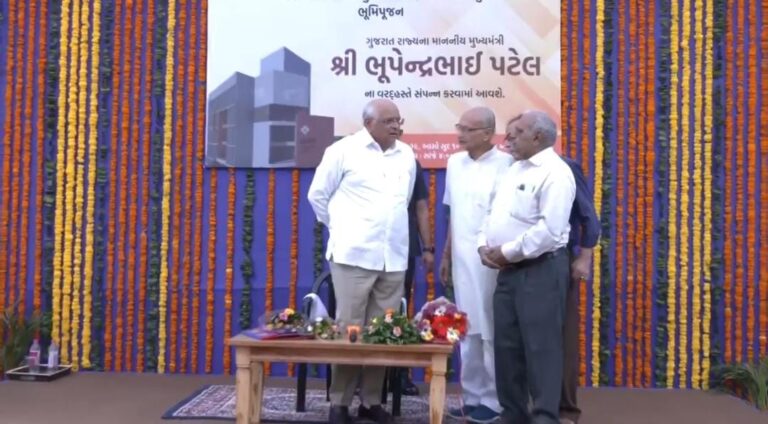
[[390, 121], [464, 129]]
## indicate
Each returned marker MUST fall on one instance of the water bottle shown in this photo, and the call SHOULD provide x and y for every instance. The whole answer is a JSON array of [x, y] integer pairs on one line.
[[33, 359], [53, 357]]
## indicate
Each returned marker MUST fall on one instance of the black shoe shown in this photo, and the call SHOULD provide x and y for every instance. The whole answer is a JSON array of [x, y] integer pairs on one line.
[[375, 413], [339, 415]]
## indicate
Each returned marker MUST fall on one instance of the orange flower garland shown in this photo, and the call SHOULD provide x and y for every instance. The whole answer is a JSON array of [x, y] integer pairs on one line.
[[432, 206], [113, 163], [587, 103], [133, 188], [175, 279], [15, 157], [620, 222], [270, 277], [211, 279], [764, 194], [26, 156], [126, 143], [753, 162], [295, 185], [6, 162], [200, 138], [146, 151], [187, 280], [229, 270], [728, 149], [42, 61], [740, 224], [648, 89], [642, 176], [631, 194]]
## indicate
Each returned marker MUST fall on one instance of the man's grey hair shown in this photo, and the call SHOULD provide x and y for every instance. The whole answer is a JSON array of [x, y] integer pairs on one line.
[[487, 117], [543, 125], [369, 111]]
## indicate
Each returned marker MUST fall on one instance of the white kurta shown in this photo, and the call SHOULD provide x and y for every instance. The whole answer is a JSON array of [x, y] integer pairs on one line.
[[468, 186]]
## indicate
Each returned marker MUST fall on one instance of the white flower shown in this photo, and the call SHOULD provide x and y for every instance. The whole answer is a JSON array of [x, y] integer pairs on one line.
[[452, 335], [319, 320]]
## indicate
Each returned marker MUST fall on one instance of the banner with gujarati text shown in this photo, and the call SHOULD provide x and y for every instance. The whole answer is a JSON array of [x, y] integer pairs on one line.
[[286, 78]]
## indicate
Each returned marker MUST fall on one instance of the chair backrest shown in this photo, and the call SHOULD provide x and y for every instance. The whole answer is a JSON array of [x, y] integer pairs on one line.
[[324, 280]]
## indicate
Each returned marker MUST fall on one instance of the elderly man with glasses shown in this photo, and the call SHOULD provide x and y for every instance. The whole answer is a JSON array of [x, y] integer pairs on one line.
[[470, 177]]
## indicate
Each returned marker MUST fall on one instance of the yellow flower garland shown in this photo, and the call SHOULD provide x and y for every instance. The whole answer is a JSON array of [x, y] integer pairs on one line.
[[599, 152], [92, 152], [166, 205], [707, 141], [70, 173], [58, 217], [673, 204], [685, 184], [697, 203]]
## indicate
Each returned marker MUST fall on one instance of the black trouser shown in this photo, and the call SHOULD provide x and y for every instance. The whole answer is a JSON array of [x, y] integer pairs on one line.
[[569, 407], [528, 309]]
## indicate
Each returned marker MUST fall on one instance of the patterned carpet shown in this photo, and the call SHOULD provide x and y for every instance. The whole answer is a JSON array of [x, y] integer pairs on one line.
[[279, 406]]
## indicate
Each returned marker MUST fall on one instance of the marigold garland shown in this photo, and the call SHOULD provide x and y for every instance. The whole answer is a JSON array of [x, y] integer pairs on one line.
[[739, 203], [707, 184], [763, 275], [126, 146], [430, 273], [200, 139], [753, 159], [270, 277], [698, 188], [294, 261], [586, 78], [6, 163], [621, 197], [146, 138], [598, 181], [166, 206], [211, 278], [113, 164], [91, 183], [229, 273], [42, 61], [26, 169], [15, 156], [672, 261], [176, 280], [632, 181], [685, 187], [728, 151], [187, 151], [580, 147], [648, 89]]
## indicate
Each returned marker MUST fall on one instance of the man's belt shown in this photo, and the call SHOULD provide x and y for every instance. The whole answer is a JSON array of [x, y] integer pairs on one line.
[[533, 261]]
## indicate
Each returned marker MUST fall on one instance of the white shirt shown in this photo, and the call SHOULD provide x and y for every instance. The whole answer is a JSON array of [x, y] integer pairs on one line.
[[468, 186], [361, 194], [531, 205]]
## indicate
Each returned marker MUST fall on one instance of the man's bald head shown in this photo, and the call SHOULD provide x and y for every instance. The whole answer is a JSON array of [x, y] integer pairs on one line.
[[381, 118], [529, 133]]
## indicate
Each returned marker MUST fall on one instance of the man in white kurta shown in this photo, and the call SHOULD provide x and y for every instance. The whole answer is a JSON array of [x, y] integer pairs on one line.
[[470, 177], [361, 191]]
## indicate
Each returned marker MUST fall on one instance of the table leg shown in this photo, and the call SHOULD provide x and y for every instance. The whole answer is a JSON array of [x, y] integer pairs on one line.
[[437, 389], [243, 382], [257, 389]]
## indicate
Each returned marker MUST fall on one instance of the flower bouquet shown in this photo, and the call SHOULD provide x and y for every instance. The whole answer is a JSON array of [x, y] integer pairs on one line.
[[324, 328], [284, 323], [440, 321], [391, 328]]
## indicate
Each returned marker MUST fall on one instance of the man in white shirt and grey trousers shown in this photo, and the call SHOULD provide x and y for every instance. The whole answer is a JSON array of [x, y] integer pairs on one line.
[[361, 191], [525, 235]]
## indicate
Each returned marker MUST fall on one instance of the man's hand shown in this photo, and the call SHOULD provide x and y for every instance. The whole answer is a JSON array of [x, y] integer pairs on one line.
[[445, 271], [486, 258], [429, 260], [581, 266]]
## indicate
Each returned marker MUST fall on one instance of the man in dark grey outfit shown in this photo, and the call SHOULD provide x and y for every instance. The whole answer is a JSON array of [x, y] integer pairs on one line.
[[525, 235]]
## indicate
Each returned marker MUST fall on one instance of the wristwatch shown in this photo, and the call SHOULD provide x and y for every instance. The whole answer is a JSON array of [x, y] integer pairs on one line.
[[428, 249]]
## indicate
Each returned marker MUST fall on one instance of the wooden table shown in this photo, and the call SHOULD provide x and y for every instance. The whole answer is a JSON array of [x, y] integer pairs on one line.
[[251, 354]]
